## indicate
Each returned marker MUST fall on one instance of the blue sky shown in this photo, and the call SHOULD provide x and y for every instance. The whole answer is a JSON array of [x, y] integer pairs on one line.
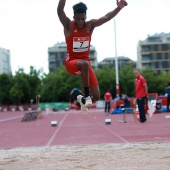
[[29, 27]]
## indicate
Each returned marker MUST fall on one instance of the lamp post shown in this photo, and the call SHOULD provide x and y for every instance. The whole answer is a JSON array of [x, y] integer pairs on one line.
[[116, 63]]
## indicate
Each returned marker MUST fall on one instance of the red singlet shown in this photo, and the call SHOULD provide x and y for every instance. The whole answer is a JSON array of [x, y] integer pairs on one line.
[[140, 90], [78, 43], [108, 97], [78, 46]]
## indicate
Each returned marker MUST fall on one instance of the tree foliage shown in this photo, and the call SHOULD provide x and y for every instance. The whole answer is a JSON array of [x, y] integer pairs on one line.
[[5, 86], [106, 79], [56, 86], [127, 81]]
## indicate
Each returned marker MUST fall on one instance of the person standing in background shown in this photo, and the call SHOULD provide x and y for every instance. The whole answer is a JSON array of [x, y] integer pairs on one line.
[[141, 90], [167, 91], [107, 98], [74, 93], [126, 101]]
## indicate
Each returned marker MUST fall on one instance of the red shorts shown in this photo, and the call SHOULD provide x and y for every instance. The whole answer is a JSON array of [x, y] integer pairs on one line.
[[72, 69]]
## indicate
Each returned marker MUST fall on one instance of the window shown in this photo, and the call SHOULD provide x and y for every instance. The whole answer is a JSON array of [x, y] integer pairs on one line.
[[156, 48], [52, 64], [62, 55], [166, 56], [168, 46], [58, 63], [145, 57], [153, 65], [145, 48], [164, 47], [146, 64], [52, 57], [165, 64], [159, 56], [159, 47], [153, 56], [152, 47], [91, 53], [154, 39], [163, 56], [156, 64], [168, 39], [5, 63]]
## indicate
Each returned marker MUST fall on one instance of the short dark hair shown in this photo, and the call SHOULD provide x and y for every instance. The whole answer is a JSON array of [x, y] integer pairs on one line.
[[79, 8], [169, 84]]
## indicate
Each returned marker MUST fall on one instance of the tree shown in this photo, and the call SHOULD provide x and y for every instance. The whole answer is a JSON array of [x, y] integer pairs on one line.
[[5, 85], [25, 86], [106, 80], [161, 82], [126, 78], [34, 80], [156, 83], [57, 85], [20, 91], [151, 79]]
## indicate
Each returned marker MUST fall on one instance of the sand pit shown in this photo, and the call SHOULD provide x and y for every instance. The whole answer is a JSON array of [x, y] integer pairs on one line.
[[129, 156]]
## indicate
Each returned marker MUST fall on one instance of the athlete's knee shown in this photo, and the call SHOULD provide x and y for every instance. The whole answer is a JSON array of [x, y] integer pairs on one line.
[[83, 64]]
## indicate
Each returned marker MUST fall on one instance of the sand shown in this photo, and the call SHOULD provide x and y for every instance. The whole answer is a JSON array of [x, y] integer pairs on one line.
[[129, 156]]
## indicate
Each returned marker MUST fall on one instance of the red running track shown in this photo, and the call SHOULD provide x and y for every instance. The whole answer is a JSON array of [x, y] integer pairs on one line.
[[75, 128]]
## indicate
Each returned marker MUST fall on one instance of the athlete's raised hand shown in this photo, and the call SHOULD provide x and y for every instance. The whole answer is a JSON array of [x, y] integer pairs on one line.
[[121, 4]]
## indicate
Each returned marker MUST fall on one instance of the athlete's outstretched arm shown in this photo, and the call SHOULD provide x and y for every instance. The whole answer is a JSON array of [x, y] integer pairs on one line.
[[61, 14], [97, 22]]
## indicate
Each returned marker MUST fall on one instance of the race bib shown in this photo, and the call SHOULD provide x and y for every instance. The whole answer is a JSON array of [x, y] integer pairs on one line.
[[80, 44]]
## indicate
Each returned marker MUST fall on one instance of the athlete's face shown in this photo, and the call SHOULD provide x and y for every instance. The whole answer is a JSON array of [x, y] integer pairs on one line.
[[80, 20]]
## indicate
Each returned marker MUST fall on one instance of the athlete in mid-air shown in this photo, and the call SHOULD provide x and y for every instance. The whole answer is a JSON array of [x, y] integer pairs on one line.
[[78, 34]]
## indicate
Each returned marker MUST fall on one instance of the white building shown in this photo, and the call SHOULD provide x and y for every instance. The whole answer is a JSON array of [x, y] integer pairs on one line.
[[154, 52], [5, 61]]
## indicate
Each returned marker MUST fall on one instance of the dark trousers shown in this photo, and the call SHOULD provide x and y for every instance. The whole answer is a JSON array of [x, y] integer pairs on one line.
[[168, 103], [107, 107], [141, 106]]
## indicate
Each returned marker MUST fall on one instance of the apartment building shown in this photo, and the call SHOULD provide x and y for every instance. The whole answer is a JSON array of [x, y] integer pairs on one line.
[[57, 54], [5, 61], [154, 52]]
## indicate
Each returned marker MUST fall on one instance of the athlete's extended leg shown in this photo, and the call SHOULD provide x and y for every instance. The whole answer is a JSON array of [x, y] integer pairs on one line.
[[83, 66], [94, 87], [95, 92]]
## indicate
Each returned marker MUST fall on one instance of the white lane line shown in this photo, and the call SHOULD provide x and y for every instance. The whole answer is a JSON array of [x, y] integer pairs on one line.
[[55, 133], [12, 118], [114, 133]]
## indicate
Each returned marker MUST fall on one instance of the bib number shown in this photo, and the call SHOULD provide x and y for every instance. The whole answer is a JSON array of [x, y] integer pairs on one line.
[[80, 44]]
